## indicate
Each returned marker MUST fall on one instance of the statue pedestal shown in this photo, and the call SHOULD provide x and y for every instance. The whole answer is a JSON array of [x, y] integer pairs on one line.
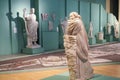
[[100, 38], [92, 41], [33, 50], [109, 38], [101, 41]]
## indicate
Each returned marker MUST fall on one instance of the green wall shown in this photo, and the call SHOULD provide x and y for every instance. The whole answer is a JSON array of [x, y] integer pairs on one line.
[[50, 7], [95, 17], [14, 38], [85, 13], [5, 43], [71, 5], [103, 18], [18, 37], [11, 41]]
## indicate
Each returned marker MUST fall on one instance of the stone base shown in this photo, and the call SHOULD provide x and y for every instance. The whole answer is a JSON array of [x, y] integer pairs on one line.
[[109, 38], [101, 41], [33, 50], [92, 41], [116, 39]]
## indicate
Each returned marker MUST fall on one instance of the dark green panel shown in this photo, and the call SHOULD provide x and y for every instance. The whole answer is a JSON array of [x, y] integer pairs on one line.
[[18, 25], [85, 13], [103, 18], [50, 41], [95, 17], [5, 45], [72, 5]]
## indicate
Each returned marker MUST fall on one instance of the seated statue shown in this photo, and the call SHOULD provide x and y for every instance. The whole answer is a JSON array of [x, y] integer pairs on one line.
[[76, 49], [31, 28]]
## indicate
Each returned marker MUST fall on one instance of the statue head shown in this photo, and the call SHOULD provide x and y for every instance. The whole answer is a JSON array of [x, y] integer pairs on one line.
[[74, 15], [32, 10]]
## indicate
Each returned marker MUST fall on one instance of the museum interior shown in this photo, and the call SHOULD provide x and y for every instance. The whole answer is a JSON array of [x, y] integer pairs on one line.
[[40, 54]]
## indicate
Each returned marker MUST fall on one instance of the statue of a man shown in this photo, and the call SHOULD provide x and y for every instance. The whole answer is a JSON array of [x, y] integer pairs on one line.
[[76, 49], [31, 28]]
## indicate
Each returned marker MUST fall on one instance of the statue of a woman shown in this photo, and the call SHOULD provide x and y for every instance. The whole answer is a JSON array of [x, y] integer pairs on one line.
[[76, 49]]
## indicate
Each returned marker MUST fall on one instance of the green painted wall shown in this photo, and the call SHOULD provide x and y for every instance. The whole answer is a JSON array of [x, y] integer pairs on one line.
[[19, 36], [95, 17], [5, 45], [14, 38], [50, 7], [103, 18], [11, 38], [71, 5], [102, 2], [85, 13]]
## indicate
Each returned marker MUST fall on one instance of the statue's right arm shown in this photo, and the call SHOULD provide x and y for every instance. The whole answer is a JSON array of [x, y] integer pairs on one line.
[[24, 12]]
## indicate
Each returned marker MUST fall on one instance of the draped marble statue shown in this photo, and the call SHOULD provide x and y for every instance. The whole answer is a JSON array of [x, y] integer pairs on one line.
[[31, 28], [76, 49], [108, 28], [90, 33], [116, 29]]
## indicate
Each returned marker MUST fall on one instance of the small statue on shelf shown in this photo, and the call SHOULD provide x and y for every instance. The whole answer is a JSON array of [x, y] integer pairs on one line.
[[90, 33]]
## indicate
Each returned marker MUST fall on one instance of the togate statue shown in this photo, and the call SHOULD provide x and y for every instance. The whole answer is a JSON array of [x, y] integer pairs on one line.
[[31, 28], [90, 33], [76, 49]]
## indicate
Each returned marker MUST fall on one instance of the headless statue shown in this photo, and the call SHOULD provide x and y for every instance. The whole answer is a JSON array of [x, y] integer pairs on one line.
[[76, 49]]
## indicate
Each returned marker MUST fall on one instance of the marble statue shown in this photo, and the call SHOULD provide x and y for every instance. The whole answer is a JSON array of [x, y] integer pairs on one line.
[[116, 29], [90, 33], [31, 28], [76, 49], [50, 25], [108, 28], [100, 36]]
